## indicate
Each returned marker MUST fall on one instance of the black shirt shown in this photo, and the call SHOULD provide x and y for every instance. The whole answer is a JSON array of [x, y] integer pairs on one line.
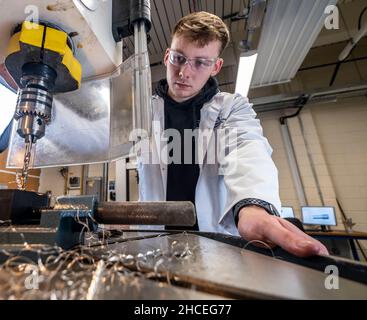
[[182, 176]]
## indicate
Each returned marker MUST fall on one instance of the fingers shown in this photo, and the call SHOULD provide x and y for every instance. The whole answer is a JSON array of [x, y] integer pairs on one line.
[[289, 226], [256, 224], [323, 251], [293, 240]]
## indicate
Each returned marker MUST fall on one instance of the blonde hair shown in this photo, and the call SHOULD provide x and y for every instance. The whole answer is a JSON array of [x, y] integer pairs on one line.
[[202, 27]]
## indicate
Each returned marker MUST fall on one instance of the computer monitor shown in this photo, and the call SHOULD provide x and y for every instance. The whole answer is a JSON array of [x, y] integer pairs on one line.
[[323, 216], [287, 212]]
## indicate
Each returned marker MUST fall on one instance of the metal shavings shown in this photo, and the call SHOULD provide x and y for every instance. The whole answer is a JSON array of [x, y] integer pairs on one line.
[[68, 206], [56, 274], [262, 243], [77, 274]]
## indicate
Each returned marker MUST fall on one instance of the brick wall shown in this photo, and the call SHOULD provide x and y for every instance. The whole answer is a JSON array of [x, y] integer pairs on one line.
[[333, 137]]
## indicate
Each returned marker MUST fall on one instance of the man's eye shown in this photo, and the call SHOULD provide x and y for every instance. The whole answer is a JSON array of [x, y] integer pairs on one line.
[[179, 59], [202, 63]]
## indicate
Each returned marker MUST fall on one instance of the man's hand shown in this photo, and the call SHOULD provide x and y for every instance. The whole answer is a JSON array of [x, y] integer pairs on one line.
[[254, 223]]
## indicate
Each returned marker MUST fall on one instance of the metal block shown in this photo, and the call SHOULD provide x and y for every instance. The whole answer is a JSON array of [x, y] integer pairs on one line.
[[20, 206], [29, 235]]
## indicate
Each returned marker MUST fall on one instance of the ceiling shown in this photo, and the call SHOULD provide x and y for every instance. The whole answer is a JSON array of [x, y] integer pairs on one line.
[[165, 13]]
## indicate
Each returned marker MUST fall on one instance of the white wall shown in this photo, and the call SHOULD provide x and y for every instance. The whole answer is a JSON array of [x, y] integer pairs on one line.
[[95, 170], [336, 137], [52, 180], [342, 128]]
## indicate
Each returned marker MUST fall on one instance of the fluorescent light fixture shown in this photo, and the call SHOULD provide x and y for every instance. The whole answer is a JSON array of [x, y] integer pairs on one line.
[[246, 68], [288, 32]]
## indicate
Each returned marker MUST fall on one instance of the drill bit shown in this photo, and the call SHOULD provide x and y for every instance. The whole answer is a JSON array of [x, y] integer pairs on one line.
[[22, 177]]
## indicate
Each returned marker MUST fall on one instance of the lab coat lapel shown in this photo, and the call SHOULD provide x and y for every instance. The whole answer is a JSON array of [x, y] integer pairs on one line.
[[208, 115]]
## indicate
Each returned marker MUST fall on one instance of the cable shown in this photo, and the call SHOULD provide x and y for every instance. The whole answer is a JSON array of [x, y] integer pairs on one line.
[[351, 45], [300, 103]]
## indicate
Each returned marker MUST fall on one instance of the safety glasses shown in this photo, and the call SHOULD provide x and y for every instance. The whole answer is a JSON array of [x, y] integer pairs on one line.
[[197, 64]]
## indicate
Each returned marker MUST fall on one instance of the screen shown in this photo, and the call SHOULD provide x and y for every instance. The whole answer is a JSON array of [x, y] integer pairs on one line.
[[74, 182], [286, 212], [324, 216]]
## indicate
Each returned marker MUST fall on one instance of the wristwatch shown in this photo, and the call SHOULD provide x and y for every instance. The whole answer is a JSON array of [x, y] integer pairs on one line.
[[268, 207]]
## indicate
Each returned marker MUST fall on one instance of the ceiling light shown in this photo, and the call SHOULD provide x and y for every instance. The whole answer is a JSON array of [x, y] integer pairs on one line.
[[246, 68], [289, 30]]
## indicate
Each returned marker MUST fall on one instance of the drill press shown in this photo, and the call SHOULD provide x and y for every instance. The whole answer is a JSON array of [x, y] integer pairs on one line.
[[41, 60]]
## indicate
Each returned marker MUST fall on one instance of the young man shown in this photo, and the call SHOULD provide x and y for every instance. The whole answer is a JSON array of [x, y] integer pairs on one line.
[[238, 193]]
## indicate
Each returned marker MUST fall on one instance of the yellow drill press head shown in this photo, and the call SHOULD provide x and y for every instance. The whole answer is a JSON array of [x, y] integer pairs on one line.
[[41, 61]]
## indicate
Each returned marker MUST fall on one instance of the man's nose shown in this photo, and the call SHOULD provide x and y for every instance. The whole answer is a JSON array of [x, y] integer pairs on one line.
[[184, 70]]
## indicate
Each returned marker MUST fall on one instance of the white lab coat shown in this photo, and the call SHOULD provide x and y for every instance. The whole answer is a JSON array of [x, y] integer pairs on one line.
[[218, 189]]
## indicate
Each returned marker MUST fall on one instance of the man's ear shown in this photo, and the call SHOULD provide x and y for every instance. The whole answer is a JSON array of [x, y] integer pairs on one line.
[[217, 67], [166, 57]]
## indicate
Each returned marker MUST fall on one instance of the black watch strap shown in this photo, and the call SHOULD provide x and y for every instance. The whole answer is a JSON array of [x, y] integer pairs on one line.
[[254, 202]]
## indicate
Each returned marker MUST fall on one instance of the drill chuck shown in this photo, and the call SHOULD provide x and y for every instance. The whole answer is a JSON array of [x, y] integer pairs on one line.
[[34, 102]]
